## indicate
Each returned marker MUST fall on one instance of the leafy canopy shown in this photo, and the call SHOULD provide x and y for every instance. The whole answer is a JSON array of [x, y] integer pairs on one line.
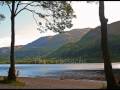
[[53, 15]]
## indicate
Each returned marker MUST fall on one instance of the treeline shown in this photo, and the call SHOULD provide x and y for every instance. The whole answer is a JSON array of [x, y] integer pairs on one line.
[[57, 60]]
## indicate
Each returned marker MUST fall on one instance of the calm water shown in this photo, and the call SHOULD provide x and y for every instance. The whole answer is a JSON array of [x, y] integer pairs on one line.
[[34, 70]]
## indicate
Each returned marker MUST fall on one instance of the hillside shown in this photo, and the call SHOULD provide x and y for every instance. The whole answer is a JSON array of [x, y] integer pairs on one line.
[[46, 45], [5, 52], [89, 45]]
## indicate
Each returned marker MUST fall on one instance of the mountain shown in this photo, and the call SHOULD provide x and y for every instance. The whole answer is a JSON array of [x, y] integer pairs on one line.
[[5, 52], [89, 45], [45, 45]]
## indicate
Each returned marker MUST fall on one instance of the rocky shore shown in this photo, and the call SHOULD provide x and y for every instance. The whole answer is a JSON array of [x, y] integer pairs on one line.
[[85, 74]]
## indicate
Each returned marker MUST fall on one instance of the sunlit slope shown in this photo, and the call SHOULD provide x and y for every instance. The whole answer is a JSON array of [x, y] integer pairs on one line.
[[89, 46], [45, 45]]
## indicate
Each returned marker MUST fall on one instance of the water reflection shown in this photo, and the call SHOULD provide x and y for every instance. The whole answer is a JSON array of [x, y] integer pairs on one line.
[[33, 70]]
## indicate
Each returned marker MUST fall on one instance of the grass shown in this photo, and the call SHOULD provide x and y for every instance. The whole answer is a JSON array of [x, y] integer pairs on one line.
[[104, 86], [4, 80]]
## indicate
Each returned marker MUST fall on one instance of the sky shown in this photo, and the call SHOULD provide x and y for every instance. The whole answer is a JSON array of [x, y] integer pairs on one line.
[[26, 28]]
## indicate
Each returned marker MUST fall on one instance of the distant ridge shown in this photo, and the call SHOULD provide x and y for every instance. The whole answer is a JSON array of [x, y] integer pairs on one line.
[[45, 45], [89, 45]]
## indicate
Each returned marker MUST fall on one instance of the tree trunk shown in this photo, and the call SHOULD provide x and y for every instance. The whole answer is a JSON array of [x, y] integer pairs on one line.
[[11, 73], [111, 83]]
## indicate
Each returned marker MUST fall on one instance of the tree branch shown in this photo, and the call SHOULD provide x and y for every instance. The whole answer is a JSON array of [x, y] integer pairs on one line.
[[34, 18], [24, 8], [33, 11], [9, 7], [37, 23], [29, 5], [17, 7]]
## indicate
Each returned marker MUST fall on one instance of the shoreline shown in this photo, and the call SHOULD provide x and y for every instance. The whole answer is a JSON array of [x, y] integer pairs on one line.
[[70, 79], [80, 75], [84, 74], [47, 83]]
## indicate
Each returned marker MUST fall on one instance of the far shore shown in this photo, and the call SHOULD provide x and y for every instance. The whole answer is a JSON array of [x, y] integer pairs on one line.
[[54, 63]]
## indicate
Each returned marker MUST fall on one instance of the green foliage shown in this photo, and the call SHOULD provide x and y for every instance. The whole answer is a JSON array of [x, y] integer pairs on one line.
[[61, 15], [89, 46], [4, 59], [104, 86], [57, 15]]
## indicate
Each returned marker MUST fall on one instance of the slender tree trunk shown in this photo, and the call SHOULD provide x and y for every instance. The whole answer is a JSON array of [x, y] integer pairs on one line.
[[111, 83], [11, 73]]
